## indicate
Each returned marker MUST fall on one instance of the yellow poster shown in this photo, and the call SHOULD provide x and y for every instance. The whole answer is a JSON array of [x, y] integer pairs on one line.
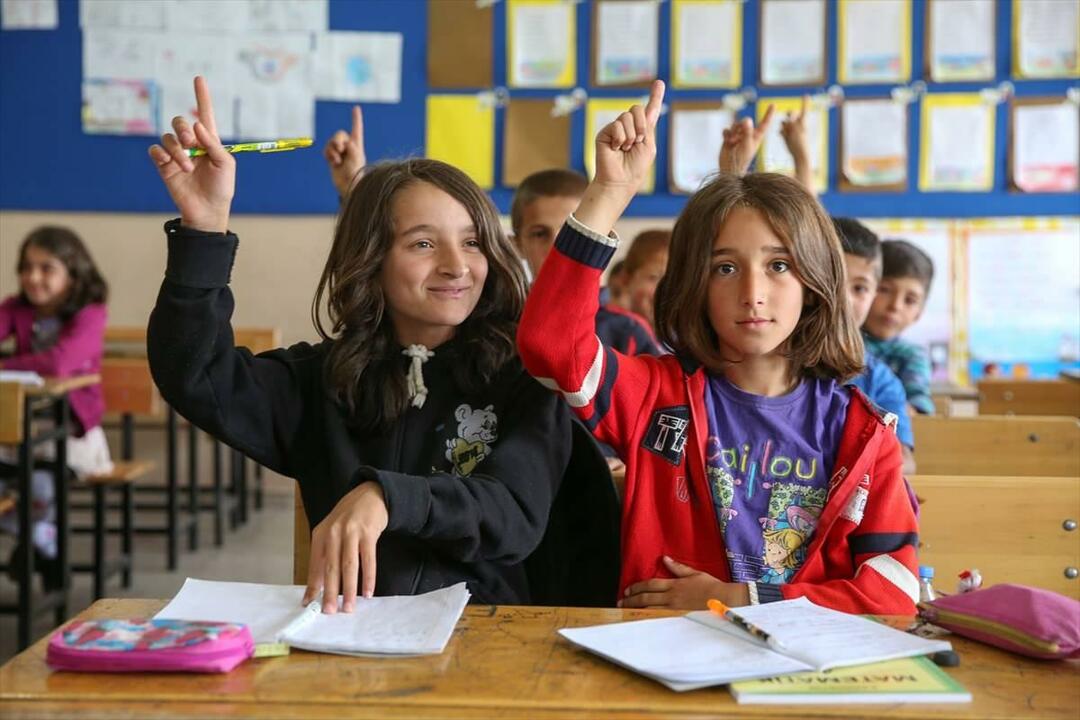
[[875, 41], [956, 150], [461, 131], [706, 43], [599, 113], [541, 43], [774, 155]]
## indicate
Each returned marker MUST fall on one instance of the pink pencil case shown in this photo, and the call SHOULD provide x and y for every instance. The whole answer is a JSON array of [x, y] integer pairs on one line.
[[149, 646]]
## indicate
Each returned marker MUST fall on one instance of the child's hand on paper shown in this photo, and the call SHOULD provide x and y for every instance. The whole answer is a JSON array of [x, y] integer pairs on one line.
[[343, 547], [741, 143], [690, 589], [625, 150], [201, 187], [344, 153]]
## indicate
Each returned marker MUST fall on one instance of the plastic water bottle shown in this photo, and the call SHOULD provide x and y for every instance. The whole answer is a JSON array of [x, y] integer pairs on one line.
[[926, 587]]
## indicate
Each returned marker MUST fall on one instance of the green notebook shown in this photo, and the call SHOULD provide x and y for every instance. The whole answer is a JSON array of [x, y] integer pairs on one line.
[[912, 680]]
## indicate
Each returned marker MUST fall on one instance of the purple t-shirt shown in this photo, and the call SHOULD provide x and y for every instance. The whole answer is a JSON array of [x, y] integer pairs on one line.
[[768, 461]]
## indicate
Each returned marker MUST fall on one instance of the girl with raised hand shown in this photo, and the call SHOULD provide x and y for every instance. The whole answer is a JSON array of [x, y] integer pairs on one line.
[[425, 454], [745, 434]]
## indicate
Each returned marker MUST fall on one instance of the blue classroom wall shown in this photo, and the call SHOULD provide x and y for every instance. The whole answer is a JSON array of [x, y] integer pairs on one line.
[[47, 163]]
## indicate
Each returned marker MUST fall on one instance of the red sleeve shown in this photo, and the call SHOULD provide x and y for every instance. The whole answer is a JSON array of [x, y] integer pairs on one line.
[[559, 347]]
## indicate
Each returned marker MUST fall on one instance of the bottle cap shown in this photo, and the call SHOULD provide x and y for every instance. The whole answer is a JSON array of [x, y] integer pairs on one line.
[[926, 571]]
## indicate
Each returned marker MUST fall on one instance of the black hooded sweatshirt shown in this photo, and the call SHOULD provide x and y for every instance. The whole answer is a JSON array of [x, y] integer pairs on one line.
[[469, 479]]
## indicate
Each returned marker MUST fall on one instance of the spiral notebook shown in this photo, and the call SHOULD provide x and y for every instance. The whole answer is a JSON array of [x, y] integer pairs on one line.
[[701, 649], [394, 625]]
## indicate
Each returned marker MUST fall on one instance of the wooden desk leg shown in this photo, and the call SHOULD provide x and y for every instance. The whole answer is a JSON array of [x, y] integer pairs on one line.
[[172, 520], [219, 496], [242, 499], [236, 466], [26, 542], [63, 530], [193, 486]]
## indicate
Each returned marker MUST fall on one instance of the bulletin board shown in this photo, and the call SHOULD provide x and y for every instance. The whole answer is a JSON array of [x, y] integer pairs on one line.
[[48, 163]]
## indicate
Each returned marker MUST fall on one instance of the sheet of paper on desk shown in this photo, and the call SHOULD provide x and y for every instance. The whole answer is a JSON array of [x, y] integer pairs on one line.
[[23, 377], [396, 625]]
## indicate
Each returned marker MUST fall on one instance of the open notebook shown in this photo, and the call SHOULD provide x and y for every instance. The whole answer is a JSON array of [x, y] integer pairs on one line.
[[396, 625], [702, 649]]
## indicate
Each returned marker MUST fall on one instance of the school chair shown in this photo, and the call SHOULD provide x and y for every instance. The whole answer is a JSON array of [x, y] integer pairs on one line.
[[20, 406], [576, 563], [130, 392], [1013, 529], [1001, 396], [997, 445]]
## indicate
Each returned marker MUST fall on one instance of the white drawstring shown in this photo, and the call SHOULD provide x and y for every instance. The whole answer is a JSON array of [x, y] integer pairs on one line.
[[415, 376]]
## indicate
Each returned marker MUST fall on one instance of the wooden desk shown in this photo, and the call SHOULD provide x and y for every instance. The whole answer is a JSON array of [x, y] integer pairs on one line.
[[502, 661], [21, 405]]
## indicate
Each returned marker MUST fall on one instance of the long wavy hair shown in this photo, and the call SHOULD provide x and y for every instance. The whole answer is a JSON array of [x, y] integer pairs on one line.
[[825, 341], [87, 284], [365, 368]]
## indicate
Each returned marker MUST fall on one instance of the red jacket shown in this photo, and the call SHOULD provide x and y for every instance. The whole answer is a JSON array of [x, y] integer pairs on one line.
[[862, 557]]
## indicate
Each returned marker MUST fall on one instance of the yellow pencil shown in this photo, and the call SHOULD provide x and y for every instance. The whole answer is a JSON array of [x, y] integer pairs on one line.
[[265, 146]]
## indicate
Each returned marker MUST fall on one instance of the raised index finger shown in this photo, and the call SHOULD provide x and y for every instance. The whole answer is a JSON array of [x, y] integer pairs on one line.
[[357, 124], [203, 104], [656, 102]]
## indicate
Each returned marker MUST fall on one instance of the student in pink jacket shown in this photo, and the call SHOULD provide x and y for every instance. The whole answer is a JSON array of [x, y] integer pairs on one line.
[[58, 322]]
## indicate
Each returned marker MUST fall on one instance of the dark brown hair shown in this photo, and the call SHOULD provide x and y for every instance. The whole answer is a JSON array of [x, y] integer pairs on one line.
[[646, 244], [825, 342], [557, 182], [364, 366], [87, 285], [900, 259], [858, 240]]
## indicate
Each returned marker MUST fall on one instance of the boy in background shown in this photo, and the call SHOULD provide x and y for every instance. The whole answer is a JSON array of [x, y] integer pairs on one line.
[[907, 273], [541, 204], [862, 256], [644, 265]]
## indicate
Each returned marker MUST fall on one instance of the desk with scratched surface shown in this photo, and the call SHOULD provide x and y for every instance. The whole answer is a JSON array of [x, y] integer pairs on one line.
[[501, 661]]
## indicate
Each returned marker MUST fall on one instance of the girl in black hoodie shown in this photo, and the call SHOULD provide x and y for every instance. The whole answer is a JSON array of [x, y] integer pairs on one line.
[[425, 454]]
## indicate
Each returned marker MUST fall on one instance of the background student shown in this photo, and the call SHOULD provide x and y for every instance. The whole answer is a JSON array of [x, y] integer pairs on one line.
[[905, 284], [862, 258], [58, 322], [425, 455], [745, 431], [644, 265], [540, 206]]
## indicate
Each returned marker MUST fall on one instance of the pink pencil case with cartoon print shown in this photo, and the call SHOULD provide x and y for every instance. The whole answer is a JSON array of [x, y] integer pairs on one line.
[[149, 646]]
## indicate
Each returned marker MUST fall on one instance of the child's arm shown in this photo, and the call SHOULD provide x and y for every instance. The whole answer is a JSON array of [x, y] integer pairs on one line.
[[742, 141], [78, 348], [882, 549], [344, 154], [915, 375], [557, 335], [793, 130], [254, 404], [7, 317]]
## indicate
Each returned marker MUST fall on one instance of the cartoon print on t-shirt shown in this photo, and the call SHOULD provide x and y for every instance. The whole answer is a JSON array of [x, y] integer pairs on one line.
[[792, 517], [477, 430]]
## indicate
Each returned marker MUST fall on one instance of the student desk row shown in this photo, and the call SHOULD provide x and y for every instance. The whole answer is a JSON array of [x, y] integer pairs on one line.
[[502, 661]]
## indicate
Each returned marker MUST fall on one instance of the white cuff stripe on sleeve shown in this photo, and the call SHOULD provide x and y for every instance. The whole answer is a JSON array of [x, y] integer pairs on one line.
[[610, 241], [589, 385], [895, 572]]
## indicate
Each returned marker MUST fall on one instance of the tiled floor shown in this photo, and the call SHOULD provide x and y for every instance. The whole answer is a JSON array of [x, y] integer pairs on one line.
[[260, 551]]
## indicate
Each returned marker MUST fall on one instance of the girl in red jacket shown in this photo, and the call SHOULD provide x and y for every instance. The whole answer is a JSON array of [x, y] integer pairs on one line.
[[753, 473]]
